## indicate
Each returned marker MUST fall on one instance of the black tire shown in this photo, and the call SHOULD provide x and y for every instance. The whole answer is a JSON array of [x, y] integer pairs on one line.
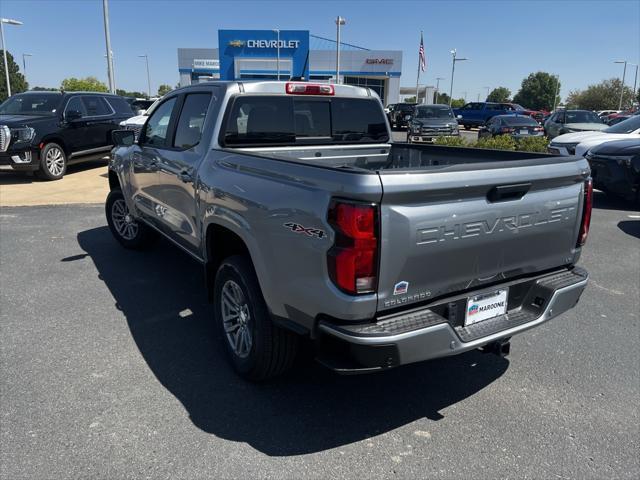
[[467, 127], [53, 162], [272, 349], [130, 233]]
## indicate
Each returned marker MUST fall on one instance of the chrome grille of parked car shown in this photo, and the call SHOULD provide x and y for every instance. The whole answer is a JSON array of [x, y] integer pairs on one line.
[[5, 138], [436, 130]]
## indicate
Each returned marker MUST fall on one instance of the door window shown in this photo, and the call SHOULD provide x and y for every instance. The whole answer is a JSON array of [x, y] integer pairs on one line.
[[75, 105], [96, 106], [157, 127], [191, 121]]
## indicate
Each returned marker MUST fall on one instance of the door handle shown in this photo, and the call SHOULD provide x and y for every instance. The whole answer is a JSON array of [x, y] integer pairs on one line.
[[505, 193], [185, 176]]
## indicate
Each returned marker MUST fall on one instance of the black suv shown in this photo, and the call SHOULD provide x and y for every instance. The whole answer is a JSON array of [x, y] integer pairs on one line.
[[46, 131], [400, 114]]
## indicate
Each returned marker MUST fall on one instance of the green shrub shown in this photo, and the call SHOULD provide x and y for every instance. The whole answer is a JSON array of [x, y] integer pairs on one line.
[[533, 144], [450, 141], [501, 142]]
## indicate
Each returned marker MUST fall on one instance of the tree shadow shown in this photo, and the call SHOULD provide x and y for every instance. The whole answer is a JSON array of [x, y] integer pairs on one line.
[[161, 293], [630, 227]]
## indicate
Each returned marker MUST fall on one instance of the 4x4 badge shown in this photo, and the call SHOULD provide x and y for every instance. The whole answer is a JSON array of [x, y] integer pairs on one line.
[[309, 231]]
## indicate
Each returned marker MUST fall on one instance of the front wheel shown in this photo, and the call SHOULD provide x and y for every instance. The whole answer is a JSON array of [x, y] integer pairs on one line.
[[258, 349], [128, 231], [53, 162]]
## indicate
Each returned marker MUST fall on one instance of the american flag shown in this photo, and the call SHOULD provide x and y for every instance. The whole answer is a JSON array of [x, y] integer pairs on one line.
[[423, 60]]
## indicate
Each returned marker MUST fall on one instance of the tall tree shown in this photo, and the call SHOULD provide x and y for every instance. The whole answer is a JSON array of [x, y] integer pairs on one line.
[[458, 102], [538, 91], [499, 94], [164, 89], [134, 94], [601, 96], [18, 82], [88, 84]]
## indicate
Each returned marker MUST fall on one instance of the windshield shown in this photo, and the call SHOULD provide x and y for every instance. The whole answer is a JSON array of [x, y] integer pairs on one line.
[[517, 107], [582, 116], [31, 104], [626, 126], [152, 108], [434, 112]]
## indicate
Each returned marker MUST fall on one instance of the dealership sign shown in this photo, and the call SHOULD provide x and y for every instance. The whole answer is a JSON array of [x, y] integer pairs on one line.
[[379, 61], [206, 63], [252, 43]]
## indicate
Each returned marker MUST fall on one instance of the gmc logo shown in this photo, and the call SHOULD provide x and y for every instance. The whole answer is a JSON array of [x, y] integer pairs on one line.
[[379, 61], [512, 223]]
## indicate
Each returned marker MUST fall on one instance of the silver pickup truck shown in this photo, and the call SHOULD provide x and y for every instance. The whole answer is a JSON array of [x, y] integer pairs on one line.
[[310, 222]]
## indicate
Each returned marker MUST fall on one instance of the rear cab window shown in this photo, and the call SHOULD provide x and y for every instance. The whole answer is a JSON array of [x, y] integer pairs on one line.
[[257, 120]]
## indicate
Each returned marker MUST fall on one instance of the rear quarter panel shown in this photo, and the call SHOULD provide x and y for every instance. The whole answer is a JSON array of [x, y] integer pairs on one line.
[[255, 197]]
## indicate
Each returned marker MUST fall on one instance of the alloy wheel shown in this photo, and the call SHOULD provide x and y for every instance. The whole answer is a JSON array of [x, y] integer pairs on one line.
[[125, 224], [236, 319], [54, 160]]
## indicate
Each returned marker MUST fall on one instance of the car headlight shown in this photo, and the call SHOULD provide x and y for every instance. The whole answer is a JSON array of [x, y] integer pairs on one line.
[[22, 134]]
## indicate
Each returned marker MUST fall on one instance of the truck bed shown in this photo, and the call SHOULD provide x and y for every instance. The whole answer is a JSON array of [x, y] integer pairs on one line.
[[380, 158]]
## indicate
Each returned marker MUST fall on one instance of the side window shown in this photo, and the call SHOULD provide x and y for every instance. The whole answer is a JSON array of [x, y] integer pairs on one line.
[[75, 105], [120, 105], [191, 121], [96, 106], [560, 117], [157, 126]]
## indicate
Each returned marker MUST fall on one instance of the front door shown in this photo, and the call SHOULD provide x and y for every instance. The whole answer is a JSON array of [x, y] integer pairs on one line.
[[75, 131], [146, 157]]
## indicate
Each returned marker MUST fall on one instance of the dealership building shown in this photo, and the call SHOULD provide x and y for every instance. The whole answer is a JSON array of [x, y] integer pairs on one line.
[[291, 54]]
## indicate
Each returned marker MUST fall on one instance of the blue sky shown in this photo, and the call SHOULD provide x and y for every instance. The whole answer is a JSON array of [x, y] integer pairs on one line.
[[504, 40]]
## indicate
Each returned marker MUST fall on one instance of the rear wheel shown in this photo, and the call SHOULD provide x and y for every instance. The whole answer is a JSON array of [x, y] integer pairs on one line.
[[124, 227], [257, 349], [467, 127], [53, 162]]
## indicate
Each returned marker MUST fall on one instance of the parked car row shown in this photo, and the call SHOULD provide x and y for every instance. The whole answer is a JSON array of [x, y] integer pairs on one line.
[[476, 114], [613, 154], [44, 132]]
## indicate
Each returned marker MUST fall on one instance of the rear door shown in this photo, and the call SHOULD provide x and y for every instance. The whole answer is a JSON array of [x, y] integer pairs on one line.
[[453, 229]]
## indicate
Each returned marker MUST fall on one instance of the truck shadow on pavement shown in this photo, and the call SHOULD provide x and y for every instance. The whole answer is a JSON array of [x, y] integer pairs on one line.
[[611, 202], [161, 293]]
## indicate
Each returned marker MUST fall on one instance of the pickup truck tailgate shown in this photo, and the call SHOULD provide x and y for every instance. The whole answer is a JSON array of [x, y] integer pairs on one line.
[[449, 229]]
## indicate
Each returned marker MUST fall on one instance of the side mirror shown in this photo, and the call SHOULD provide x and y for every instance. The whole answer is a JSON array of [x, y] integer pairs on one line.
[[72, 115], [459, 117], [123, 138]]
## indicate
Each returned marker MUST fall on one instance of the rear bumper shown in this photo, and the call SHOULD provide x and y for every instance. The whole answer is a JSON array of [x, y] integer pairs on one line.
[[425, 334]]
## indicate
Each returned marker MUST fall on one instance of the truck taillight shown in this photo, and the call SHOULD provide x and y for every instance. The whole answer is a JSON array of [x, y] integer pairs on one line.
[[309, 89], [353, 259], [586, 212]]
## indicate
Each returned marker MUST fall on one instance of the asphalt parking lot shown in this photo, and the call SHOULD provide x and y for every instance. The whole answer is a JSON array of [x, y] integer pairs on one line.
[[110, 368]]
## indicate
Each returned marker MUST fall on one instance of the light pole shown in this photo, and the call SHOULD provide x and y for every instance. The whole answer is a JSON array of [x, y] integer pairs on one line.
[[635, 81], [107, 38], [438, 87], [488, 88], [624, 74], [8, 21], [277, 31], [339, 22], [453, 70], [555, 97], [24, 63], [146, 59]]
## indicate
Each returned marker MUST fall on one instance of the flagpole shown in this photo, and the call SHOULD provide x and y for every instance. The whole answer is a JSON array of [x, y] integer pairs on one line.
[[418, 77]]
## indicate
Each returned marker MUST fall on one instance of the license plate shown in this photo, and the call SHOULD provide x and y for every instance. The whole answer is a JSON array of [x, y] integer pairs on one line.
[[485, 306], [524, 132]]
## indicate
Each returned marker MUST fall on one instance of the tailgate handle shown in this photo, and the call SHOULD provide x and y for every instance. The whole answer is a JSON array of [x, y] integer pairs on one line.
[[506, 193]]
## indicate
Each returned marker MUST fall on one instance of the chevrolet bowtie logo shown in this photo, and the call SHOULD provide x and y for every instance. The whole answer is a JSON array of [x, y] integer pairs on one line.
[[236, 43]]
